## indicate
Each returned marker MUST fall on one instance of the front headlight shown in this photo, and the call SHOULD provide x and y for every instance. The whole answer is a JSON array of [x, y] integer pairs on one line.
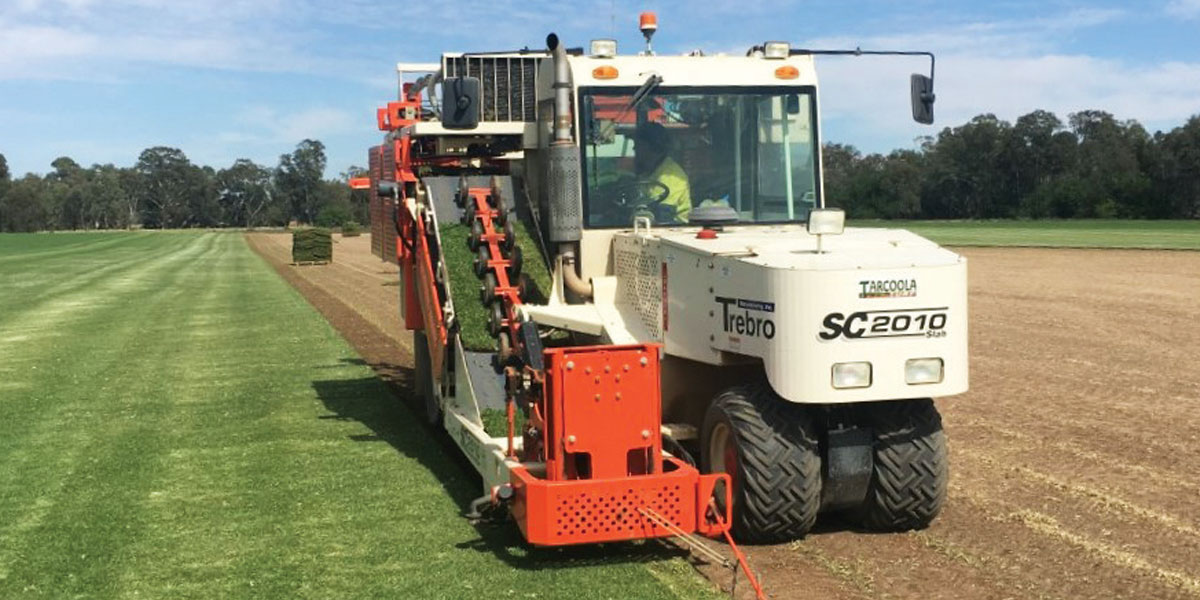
[[851, 375], [918, 371]]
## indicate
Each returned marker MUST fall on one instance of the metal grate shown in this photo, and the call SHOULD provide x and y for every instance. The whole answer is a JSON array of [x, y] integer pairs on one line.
[[378, 226], [639, 283], [587, 513], [508, 83]]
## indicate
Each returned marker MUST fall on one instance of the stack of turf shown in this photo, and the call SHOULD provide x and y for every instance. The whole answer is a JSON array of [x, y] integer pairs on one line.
[[311, 245]]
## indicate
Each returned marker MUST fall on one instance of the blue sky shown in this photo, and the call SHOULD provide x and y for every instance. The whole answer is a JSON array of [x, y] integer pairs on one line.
[[100, 80]]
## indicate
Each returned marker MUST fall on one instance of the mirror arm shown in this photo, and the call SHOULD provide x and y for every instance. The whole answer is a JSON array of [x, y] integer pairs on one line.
[[861, 52]]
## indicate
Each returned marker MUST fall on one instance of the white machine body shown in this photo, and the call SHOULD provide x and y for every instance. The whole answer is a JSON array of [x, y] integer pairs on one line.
[[766, 293], [876, 296]]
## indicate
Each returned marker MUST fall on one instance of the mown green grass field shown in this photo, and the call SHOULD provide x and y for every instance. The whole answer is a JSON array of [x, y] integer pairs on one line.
[[177, 422], [1166, 235]]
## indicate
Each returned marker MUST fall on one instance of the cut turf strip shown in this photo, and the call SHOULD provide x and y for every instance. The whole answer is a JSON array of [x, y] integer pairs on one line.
[[176, 421]]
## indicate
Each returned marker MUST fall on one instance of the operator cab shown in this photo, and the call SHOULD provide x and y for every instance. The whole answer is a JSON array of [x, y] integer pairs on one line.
[[659, 151]]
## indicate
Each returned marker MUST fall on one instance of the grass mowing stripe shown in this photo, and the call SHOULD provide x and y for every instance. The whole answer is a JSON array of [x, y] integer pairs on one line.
[[205, 433], [69, 536], [76, 276], [46, 346], [21, 246]]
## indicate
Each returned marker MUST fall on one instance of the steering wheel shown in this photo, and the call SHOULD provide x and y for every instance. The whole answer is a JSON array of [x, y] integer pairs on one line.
[[633, 193], [628, 197]]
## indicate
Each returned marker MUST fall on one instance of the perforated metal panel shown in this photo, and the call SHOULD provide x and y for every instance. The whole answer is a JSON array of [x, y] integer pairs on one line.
[[639, 281], [566, 204], [616, 512], [378, 224]]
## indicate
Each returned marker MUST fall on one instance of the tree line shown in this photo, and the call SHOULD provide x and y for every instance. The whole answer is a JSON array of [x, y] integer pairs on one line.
[[164, 189], [1091, 166]]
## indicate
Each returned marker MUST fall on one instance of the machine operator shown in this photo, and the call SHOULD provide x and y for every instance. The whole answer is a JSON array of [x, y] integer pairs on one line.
[[655, 166]]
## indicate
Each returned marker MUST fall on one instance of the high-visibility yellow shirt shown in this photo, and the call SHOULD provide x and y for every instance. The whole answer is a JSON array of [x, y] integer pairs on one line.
[[670, 174]]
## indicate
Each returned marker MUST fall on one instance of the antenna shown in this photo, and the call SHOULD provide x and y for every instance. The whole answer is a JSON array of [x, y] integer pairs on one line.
[[612, 19]]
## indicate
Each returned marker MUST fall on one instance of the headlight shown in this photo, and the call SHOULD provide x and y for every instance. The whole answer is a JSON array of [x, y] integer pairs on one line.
[[851, 375], [776, 49], [604, 48], [826, 221], [923, 370]]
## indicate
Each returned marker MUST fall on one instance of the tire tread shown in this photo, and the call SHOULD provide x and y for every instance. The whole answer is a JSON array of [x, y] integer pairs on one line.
[[911, 472], [780, 479]]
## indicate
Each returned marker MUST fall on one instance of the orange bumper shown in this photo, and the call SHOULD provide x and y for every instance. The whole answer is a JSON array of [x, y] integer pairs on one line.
[[585, 511]]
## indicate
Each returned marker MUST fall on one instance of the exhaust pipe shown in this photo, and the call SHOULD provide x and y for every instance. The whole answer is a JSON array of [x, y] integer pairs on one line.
[[563, 175], [562, 91]]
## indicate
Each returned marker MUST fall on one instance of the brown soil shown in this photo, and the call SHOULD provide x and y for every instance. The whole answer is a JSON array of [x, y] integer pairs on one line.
[[357, 293], [1073, 456]]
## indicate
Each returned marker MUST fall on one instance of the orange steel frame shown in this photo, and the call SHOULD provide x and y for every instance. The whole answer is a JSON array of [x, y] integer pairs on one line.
[[592, 467], [605, 476]]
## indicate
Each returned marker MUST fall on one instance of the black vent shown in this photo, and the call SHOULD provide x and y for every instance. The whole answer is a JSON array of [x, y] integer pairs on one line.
[[508, 84]]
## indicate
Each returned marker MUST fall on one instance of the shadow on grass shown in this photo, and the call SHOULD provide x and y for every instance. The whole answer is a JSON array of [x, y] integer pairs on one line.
[[387, 406]]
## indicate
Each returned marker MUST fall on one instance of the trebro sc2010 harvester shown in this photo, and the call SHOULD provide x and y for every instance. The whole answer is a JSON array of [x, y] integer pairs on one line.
[[628, 259]]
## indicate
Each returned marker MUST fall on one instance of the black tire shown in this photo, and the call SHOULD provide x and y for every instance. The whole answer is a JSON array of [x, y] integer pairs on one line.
[[504, 350], [510, 237], [475, 238], [777, 472], [482, 256], [487, 293], [423, 384], [495, 322], [515, 262], [469, 213], [912, 465], [463, 196]]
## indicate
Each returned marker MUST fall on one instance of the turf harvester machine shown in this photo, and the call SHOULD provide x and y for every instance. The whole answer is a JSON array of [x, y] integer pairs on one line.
[[632, 311]]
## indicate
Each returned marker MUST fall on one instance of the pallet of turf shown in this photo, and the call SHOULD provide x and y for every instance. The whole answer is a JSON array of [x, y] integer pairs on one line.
[[312, 246]]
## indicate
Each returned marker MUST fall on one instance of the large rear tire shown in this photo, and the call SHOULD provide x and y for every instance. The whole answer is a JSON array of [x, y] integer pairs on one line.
[[423, 379], [768, 447], [912, 466]]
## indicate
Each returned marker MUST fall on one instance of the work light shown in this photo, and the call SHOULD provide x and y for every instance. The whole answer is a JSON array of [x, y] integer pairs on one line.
[[604, 48], [919, 371], [850, 375], [826, 221], [776, 49]]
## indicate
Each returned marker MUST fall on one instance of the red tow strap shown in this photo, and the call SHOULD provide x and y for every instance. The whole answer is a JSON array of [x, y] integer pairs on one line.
[[741, 558]]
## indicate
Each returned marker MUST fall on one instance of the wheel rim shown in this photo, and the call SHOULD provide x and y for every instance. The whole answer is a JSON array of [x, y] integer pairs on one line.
[[722, 452]]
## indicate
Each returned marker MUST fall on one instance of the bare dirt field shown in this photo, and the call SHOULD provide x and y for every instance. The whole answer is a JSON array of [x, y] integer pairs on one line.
[[1074, 458]]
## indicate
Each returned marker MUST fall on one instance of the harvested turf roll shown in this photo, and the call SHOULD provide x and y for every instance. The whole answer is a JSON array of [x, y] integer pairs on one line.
[[465, 285], [312, 245]]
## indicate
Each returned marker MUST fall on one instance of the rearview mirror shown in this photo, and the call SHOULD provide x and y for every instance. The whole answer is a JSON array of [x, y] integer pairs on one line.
[[460, 103], [922, 99]]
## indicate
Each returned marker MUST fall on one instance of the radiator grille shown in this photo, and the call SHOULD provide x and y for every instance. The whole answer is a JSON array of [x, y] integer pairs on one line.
[[507, 83]]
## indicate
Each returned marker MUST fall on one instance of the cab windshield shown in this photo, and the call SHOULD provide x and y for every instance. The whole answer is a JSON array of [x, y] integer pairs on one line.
[[665, 153]]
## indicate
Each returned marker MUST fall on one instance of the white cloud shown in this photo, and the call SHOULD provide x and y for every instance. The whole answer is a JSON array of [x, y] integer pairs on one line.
[[1008, 69], [1187, 9], [88, 40]]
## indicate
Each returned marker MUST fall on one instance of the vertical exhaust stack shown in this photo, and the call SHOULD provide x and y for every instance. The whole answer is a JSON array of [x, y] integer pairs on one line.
[[566, 206], [563, 174]]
